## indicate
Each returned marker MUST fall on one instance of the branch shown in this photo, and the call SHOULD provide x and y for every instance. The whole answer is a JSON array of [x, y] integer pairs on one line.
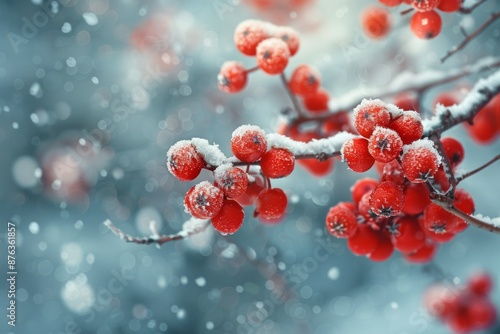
[[408, 81], [189, 228], [482, 92], [492, 225], [470, 9], [469, 37], [472, 172], [292, 96]]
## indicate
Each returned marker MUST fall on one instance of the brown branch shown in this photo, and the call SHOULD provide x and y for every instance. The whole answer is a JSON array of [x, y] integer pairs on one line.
[[442, 200], [469, 37], [468, 10], [482, 92], [155, 238], [472, 172], [407, 11]]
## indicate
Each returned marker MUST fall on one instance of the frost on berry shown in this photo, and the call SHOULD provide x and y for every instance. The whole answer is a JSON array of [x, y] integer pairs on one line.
[[420, 160], [230, 217], [204, 200], [369, 114], [341, 222], [387, 199], [232, 180], [408, 126], [184, 161], [305, 80], [272, 55], [385, 144], [248, 34], [277, 163], [232, 77], [289, 36], [271, 204], [425, 5], [211, 153], [248, 143], [356, 154]]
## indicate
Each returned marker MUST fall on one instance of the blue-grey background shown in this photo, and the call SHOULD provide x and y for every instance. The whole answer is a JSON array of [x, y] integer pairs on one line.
[[69, 73]]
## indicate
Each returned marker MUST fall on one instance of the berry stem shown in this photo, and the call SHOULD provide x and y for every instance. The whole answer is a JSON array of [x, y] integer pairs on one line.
[[469, 37], [253, 69], [155, 238], [292, 96], [468, 10], [443, 201], [407, 11], [472, 172]]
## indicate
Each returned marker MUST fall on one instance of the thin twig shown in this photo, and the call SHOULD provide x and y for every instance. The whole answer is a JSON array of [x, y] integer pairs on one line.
[[404, 12], [292, 96], [470, 9], [158, 239], [472, 172], [469, 37]]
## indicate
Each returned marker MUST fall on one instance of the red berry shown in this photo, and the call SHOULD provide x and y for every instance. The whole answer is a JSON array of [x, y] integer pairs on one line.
[[248, 143], [290, 37], [230, 217], [482, 312], [438, 220], [364, 241], [391, 3], [449, 6], [385, 144], [317, 167], [441, 238], [408, 126], [248, 34], [480, 284], [416, 198], [271, 204], [369, 114], [392, 171], [251, 193], [425, 5], [387, 199], [204, 200], [184, 161], [384, 249], [272, 55], [460, 322], [406, 235], [232, 180], [356, 154], [420, 161], [341, 222], [376, 22], [454, 150], [317, 102], [484, 128], [441, 179], [422, 255], [441, 301], [361, 187], [305, 80], [463, 201], [277, 163], [406, 102], [232, 77], [364, 207], [426, 25]]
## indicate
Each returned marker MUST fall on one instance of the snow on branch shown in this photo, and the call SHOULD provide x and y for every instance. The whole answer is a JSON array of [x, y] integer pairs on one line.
[[189, 228], [446, 117], [408, 81]]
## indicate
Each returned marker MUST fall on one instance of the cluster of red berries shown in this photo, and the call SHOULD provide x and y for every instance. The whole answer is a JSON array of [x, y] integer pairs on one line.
[[396, 212], [271, 45], [463, 309], [426, 23], [305, 82], [485, 127], [233, 188]]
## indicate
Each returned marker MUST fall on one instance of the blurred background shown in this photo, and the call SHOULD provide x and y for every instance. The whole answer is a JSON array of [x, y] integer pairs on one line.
[[92, 95]]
